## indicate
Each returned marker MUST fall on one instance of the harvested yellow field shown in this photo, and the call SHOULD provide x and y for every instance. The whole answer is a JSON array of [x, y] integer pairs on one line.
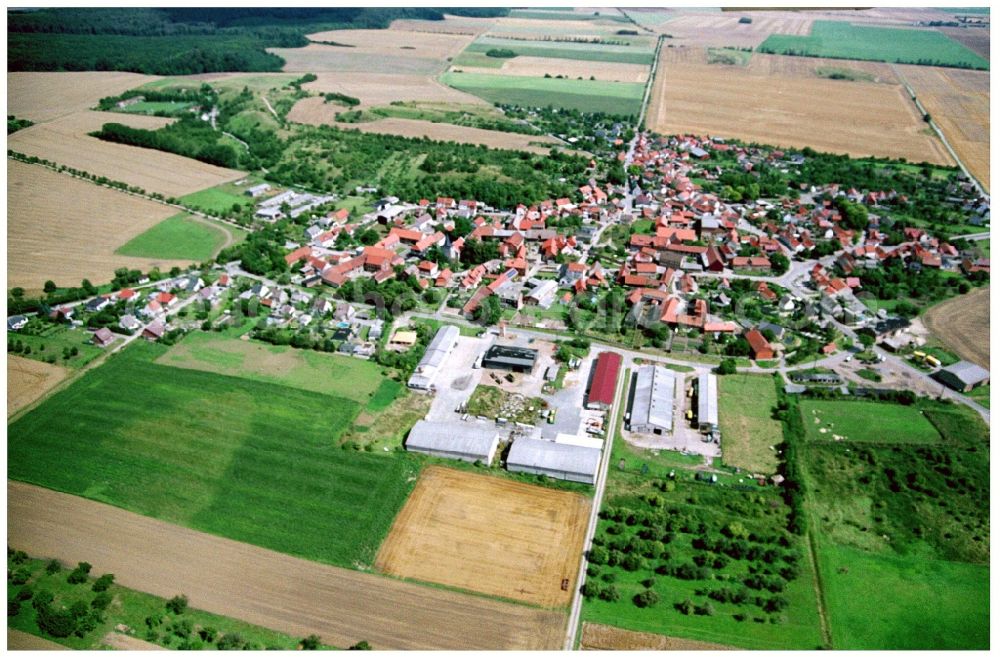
[[571, 68], [65, 141], [490, 535], [705, 28], [28, 379], [18, 640], [47, 96], [763, 104], [318, 58], [432, 45], [381, 89], [63, 229], [962, 323], [959, 102], [450, 25], [606, 637]]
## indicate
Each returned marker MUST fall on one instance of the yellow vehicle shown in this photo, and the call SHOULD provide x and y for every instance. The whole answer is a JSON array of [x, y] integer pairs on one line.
[[933, 362], [689, 415], [919, 355]]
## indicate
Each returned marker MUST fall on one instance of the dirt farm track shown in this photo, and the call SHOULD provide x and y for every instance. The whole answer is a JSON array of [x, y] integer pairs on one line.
[[267, 588]]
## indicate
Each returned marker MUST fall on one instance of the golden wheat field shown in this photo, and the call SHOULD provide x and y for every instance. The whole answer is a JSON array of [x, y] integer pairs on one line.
[[759, 103], [959, 102], [28, 379], [46, 96], [63, 229], [570, 68]]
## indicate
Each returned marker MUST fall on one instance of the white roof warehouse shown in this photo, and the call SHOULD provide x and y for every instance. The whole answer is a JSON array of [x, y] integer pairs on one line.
[[653, 401], [439, 348], [454, 440], [557, 460]]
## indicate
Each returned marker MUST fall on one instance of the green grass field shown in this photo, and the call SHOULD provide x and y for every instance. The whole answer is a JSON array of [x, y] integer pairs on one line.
[[330, 374], [216, 199], [151, 107], [639, 53], [582, 95], [842, 40], [47, 339], [904, 602], [251, 461], [861, 421], [748, 430], [131, 608], [180, 237]]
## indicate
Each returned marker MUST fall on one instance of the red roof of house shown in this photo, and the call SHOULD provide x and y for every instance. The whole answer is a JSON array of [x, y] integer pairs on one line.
[[758, 343], [602, 388]]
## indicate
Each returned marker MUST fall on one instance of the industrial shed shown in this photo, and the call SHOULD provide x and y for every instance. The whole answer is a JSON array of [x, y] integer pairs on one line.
[[605, 381], [515, 359], [708, 403], [439, 348], [963, 376], [556, 460], [454, 440], [653, 400]]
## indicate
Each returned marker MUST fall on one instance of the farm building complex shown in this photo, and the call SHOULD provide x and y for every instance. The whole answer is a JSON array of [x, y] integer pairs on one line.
[[553, 459], [963, 376], [604, 381], [515, 359], [708, 403], [653, 400], [450, 440], [437, 351]]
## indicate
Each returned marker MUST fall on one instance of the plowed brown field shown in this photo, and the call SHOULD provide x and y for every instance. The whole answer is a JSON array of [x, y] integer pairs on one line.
[[959, 102], [63, 229], [963, 324], [47, 96], [28, 379], [605, 637], [706, 28], [18, 640], [760, 103], [267, 588], [490, 535]]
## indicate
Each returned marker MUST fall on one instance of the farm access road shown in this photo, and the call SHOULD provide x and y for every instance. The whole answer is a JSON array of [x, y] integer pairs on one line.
[[266, 588]]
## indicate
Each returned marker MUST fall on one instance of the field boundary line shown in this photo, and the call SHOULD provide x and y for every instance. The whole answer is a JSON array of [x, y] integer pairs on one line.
[[940, 134], [649, 83]]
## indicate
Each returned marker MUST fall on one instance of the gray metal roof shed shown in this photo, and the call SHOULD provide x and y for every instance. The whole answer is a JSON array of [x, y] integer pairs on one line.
[[558, 460], [653, 401], [455, 440]]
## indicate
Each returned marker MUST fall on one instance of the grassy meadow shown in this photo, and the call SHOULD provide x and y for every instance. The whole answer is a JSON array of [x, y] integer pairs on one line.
[[359, 380], [582, 95], [248, 460], [749, 433], [842, 40], [180, 237], [217, 200], [860, 421]]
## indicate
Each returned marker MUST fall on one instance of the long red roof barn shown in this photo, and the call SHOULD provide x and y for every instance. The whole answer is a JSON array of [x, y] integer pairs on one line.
[[602, 387]]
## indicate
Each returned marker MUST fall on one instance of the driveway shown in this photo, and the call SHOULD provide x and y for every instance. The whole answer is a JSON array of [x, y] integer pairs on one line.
[[456, 379]]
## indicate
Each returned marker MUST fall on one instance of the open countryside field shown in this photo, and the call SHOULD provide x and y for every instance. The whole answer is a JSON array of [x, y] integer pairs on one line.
[[582, 95], [963, 324], [749, 434], [183, 236], [765, 106], [28, 379], [485, 534], [976, 40], [605, 637], [858, 421], [252, 461], [266, 588], [640, 53], [843, 40], [46, 96], [724, 28], [379, 89], [17, 640], [65, 141], [64, 229], [540, 66], [959, 102], [317, 57], [450, 25], [456, 133], [426, 45], [349, 378], [908, 602]]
